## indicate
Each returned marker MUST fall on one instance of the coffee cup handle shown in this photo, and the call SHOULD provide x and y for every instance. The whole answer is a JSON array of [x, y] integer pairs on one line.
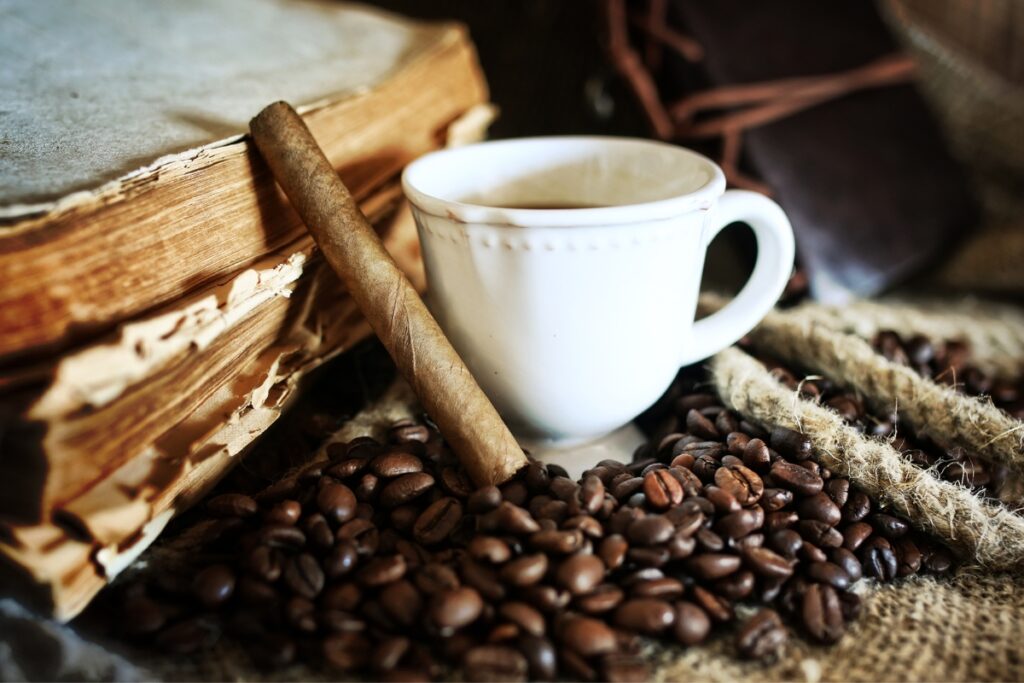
[[774, 265]]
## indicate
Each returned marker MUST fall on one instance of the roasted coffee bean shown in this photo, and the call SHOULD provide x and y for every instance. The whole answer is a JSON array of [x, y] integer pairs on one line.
[[304, 576], [624, 668], [214, 585], [698, 425], [791, 444], [318, 531], [300, 614], [716, 606], [438, 521], [362, 533], [559, 542], [142, 616], [264, 562], [382, 570], [484, 500], [645, 615], [405, 488], [494, 663], [692, 485], [401, 601], [603, 598], [612, 551], [908, 556], [838, 490], [822, 613], [795, 478], [739, 524], [723, 501], [847, 561], [761, 635], [346, 651], [691, 625], [515, 520], [456, 482], [781, 519], [483, 579], [456, 608], [580, 573], [827, 572], [743, 483], [889, 526], [819, 533], [649, 556], [726, 423], [879, 563], [855, 534], [279, 536], [347, 468], [786, 542], [525, 617], [736, 443], [710, 566], [388, 653], [857, 507], [819, 507], [525, 570], [490, 549], [662, 489], [433, 578], [767, 563], [650, 530], [591, 494], [336, 502], [736, 586], [775, 499], [587, 637], [188, 636], [232, 505], [395, 462], [285, 512]]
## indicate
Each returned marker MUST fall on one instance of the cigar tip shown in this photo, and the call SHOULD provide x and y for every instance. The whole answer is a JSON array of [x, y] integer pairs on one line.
[[272, 110]]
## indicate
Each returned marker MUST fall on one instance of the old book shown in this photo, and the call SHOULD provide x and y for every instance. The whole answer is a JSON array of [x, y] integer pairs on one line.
[[378, 91], [63, 560]]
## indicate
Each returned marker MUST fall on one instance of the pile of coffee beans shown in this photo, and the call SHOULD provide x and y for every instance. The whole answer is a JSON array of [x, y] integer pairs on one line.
[[385, 560], [947, 362]]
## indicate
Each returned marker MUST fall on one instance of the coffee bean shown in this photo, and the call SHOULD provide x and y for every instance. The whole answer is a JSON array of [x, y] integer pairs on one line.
[[795, 478], [490, 549], [388, 653], [580, 574], [838, 490], [346, 651], [407, 431], [775, 499], [395, 462], [880, 563], [691, 625], [300, 614], [285, 512], [889, 526], [587, 637], [847, 561], [214, 585], [767, 563], [484, 500], [819, 533], [791, 444], [909, 558], [591, 493], [646, 615], [650, 530], [827, 572], [362, 533], [304, 576], [662, 489], [433, 578], [142, 616], [716, 606], [739, 524], [755, 454], [761, 635], [525, 570], [698, 425], [524, 616], [342, 559], [232, 505], [455, 608], [819, 507], [401, 601], [857, 507], [786, 542], [336, 502], [494, 663], [405, 488], [264, 562], [822, 613], [382, 570], [515, 520], [188, 636], [438, 521], [855, 534], [279, 536], [710, 566], [624, 668], [743, 483], [723, 501]]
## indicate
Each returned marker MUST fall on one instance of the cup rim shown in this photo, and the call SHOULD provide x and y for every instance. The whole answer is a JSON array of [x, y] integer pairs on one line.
[[701, 198]]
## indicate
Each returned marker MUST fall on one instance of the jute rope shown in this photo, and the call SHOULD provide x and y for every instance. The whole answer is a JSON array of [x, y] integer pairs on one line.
[[988, 533], [928, 407], [994, 332]]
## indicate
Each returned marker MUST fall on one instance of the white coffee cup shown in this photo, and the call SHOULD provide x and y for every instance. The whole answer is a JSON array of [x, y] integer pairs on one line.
[[575, 320]]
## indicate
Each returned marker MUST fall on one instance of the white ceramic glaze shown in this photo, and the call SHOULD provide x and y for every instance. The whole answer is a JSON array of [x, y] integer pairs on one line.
[[575, 320]]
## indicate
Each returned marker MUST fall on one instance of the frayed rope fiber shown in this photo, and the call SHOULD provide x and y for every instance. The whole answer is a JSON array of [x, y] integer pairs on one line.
[[929, 408], [990, 534]]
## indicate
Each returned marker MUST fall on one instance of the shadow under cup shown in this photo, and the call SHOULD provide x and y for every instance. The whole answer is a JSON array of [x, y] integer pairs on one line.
[[573, 320]]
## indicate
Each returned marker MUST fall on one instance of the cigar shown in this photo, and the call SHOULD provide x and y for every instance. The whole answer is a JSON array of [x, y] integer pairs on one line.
[[392, 306]]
